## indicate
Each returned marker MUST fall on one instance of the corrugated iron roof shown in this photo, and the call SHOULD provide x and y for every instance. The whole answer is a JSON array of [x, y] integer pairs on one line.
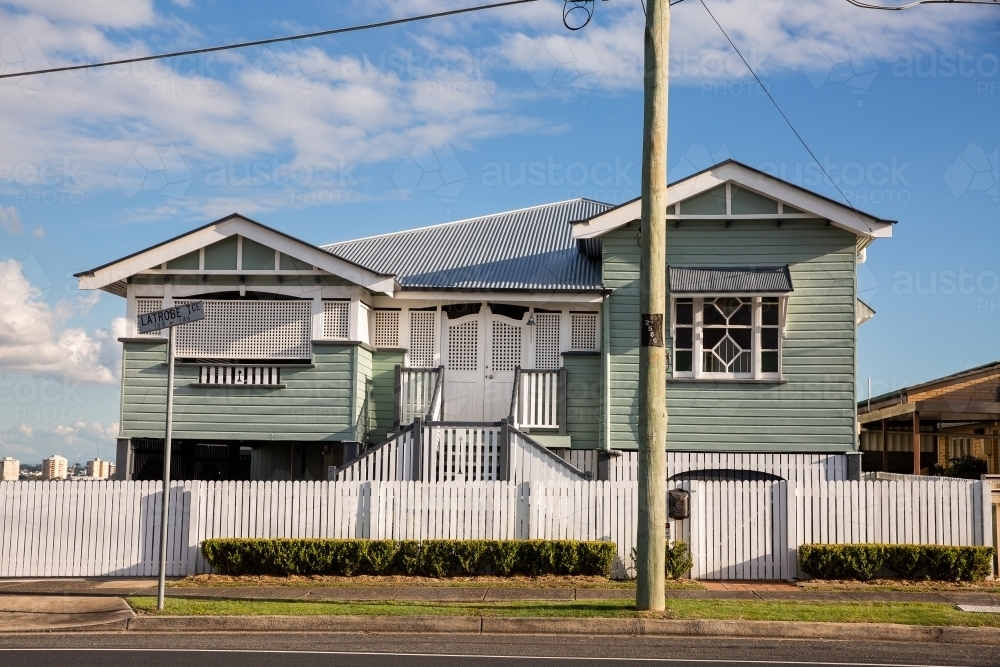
[[527, 249], [712, 280]]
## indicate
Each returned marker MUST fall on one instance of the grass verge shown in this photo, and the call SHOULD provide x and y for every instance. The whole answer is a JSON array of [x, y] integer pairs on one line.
[[850, 612], [396, 581]]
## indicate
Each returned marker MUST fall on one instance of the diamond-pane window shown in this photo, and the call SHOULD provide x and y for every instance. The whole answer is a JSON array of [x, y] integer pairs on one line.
[[728, 335]]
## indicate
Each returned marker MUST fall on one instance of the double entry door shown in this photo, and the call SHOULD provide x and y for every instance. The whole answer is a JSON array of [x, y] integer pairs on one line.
[[481, 350]]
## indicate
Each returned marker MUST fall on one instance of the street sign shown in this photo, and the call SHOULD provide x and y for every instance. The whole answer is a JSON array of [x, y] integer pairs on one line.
[[171, 317], [167, 319]]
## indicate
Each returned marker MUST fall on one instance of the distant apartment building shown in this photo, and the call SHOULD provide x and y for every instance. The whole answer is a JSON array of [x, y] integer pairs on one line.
[[54, 467], [99, 469], [10, 469]]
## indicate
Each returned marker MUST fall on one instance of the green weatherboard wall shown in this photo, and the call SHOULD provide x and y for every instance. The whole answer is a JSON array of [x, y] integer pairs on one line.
[[317, 404], [814, 410]]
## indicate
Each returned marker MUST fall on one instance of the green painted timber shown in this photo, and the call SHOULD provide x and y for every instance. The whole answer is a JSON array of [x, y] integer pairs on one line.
[[813, 411], [383, 391], [584, 391], [316, 404], [362, 408]]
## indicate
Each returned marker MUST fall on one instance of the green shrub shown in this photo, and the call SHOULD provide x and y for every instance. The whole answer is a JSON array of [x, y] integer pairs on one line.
[[504, 556], [470, 555], [408, 558], [381, 555], [679, 559], [436, 558], [910, 561], [964, 467]]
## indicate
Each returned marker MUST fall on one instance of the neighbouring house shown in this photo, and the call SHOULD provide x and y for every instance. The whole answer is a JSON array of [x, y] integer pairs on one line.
[[931, 423], [477, 349]]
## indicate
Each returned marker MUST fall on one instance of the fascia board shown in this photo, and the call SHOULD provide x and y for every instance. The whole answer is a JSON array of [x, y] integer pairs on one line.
[[196, 240], [605, 222]]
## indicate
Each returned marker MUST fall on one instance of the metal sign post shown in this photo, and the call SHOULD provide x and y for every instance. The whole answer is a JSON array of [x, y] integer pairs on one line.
[[168, 319]]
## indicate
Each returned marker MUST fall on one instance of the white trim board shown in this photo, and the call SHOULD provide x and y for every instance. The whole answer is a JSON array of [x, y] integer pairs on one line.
[[156, 256], [812, 205]]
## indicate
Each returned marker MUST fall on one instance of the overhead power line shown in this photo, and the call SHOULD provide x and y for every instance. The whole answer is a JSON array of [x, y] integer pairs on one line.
[[863, 5], [789, 122], [273, 40]]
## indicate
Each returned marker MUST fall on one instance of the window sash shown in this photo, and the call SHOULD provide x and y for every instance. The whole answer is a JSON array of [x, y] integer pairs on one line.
[[697, 343]]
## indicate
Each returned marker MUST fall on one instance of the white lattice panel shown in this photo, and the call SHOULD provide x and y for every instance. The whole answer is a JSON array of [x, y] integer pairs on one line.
[[547, 342], [144, 306], [583, 331], [385, 328], [463, 346], [336, 318], [506, 349], [252, 375], [248, 330], [422, 330]]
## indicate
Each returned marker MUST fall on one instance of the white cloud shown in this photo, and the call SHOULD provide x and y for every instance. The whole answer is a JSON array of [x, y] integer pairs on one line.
[[99, 129], [10, 220], [35, 339], [24, 430]]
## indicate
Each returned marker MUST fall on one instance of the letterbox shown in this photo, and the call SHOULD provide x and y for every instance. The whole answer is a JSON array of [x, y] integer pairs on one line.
[[679, 504]]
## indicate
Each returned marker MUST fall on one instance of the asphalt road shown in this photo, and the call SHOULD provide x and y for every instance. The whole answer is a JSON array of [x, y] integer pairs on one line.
[[94, 649]]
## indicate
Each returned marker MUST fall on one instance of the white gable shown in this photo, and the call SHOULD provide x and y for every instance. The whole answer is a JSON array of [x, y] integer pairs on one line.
[[804, 204], [153, 258]]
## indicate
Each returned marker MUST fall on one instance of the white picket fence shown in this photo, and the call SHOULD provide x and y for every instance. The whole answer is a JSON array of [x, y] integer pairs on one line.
[[737, 529]]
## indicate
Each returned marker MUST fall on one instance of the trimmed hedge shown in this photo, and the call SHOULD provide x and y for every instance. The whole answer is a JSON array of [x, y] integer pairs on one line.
[[434, 558], [909, 561]]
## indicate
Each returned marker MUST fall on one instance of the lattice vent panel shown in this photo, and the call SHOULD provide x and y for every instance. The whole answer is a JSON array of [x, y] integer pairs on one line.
[[422, 330], [385, 328], [336, 316], [463, 346], [248, 330], [144, 306], [547, 341], [506, 346], [254, 375], [583, 331]]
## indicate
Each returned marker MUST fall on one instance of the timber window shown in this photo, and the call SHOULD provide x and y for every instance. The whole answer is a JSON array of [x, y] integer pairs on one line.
[[547, 340], [336, 319], [727, 337], [583, 332], [385, 328], [423, 325]]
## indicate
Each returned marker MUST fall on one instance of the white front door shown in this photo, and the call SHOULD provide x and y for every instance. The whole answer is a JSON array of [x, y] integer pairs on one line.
[[463, 345], [480, 352], [504, 351]]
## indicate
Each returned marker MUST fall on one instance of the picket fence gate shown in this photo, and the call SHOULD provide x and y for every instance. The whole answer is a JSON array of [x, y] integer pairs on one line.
[[737, 530]]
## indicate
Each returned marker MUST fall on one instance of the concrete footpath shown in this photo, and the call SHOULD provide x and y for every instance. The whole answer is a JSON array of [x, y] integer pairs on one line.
[[33, 613]]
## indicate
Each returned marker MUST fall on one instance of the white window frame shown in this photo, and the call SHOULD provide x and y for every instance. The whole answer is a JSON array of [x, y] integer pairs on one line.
[[697, 337]]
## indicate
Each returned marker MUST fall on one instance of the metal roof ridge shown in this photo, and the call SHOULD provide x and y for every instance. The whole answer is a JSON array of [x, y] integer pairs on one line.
[[463, 220]]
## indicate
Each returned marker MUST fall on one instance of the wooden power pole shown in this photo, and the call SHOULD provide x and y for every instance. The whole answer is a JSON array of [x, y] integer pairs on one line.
[[651, 538]]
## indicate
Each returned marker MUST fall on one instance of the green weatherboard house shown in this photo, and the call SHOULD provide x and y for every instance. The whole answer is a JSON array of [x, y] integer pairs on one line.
[[505, 346]]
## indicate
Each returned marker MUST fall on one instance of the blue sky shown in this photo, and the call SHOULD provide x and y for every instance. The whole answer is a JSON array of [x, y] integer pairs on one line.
[[412, 125]]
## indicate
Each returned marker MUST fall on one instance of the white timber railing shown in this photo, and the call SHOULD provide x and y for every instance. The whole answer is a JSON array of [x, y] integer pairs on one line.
[[418, 393], [736, 530], [457, 452], [539, 399]]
